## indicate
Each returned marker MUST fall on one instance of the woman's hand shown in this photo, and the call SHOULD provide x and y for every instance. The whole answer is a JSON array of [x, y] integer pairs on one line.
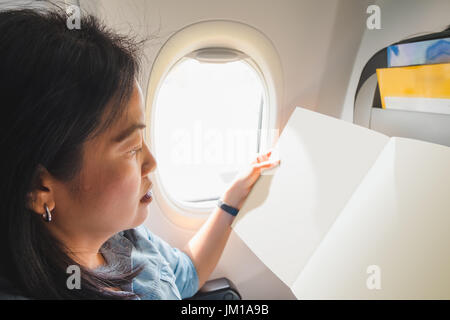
[[239, 189], [206, 246]]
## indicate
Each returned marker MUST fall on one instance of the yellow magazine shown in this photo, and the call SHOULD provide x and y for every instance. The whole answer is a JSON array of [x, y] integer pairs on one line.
[[424, 88]]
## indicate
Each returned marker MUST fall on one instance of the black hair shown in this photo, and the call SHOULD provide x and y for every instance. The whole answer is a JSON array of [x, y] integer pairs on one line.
[[56, 84]]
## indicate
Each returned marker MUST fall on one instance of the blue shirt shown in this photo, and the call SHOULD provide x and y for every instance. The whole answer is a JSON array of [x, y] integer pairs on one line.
[[168, 272]]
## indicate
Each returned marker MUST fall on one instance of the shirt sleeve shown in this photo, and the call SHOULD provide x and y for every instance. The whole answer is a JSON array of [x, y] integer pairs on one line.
[[181, 264]]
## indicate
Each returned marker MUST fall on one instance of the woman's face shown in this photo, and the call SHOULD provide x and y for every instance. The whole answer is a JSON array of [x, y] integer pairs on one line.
[[112, 181]]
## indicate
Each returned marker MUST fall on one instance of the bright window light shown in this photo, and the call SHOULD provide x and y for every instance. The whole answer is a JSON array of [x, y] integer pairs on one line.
[[207, 125]]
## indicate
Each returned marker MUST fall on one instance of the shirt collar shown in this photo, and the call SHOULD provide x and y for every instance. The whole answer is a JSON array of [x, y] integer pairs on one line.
[[117, 253]]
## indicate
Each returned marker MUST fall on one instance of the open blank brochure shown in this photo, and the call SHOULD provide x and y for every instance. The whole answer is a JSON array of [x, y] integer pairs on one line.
[[351, 213]]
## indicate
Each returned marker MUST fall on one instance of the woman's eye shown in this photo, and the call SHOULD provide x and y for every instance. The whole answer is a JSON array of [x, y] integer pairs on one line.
[[136, 150]]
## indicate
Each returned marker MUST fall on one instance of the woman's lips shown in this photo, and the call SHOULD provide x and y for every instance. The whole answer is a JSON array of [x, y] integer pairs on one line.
[[147, 198]]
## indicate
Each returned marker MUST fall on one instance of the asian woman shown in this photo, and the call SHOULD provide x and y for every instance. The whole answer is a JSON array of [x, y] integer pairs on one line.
[[75, 183]]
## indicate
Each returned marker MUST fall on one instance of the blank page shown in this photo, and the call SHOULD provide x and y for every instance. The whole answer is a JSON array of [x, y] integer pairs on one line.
[[392, 239], [287, 213]]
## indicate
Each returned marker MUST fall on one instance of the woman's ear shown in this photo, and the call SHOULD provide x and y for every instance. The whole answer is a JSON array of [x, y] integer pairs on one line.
[[42, 192]]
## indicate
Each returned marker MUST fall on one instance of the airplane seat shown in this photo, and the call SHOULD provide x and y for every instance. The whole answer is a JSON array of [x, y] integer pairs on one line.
[[217, 289], [431, 127]]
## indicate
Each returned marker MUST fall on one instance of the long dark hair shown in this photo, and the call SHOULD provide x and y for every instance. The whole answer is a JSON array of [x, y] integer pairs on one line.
[[55, 85]]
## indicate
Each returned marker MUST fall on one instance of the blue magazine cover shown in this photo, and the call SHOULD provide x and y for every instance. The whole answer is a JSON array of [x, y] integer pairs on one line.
[[418, 53]]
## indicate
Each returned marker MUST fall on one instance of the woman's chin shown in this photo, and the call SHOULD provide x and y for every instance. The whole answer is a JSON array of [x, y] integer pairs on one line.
[[142, 214]]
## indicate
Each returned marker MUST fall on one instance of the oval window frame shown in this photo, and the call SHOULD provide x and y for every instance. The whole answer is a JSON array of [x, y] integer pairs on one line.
[[213, 34]]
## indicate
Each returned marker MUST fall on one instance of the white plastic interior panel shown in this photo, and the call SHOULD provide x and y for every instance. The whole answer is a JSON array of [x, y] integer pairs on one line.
[[431, 127], [363, 102]]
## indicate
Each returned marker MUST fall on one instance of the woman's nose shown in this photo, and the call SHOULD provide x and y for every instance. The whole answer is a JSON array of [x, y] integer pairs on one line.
[[149, 164]]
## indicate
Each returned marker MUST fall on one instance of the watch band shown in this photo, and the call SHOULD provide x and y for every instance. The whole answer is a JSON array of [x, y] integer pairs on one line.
[[231, 210]]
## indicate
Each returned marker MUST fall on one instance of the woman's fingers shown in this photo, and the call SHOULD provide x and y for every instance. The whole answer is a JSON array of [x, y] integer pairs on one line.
[[241, 186], [267, 164], [263, 157]]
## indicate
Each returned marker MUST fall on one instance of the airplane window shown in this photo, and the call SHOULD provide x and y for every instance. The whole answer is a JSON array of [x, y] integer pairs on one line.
[[207, 124]]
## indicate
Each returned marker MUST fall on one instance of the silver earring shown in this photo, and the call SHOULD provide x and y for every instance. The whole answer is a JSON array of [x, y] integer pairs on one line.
[[47, 216]]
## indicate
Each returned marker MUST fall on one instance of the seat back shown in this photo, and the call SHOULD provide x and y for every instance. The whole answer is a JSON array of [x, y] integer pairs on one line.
[[431, 127]]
